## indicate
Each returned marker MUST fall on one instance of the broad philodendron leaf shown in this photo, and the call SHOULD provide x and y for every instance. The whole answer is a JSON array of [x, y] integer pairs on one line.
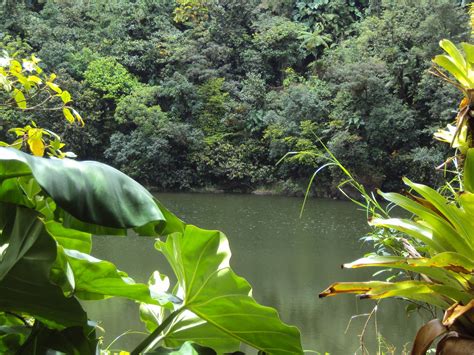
[[69, 238], [92, 192], [437, 295], [151, 314], [213, 292], [25, 285], [96, 279]]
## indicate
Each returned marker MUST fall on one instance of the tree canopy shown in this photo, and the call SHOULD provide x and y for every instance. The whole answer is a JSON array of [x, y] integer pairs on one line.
[[195, 93]]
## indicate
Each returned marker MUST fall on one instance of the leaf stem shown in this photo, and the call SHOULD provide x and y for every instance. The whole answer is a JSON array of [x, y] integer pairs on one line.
[[149, 339]]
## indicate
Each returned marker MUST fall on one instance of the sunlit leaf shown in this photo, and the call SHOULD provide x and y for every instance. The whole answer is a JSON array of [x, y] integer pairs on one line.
[[19, 98], [97, 279], [36, 146], [54, 87], [78, 117], [68, 115], [66, 97], [450, 269], [212, 291]]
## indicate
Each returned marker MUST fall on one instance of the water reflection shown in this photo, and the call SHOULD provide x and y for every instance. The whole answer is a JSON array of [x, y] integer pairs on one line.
[[287, 260]]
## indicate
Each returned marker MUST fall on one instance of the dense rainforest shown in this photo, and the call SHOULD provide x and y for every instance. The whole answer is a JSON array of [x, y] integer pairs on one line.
[[186, 94]]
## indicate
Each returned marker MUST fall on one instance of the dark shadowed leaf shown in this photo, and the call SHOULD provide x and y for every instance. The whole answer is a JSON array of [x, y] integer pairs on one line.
[[24, 274]]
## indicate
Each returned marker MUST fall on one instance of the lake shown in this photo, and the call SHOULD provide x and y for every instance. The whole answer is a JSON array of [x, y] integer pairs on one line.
[[287, 260]]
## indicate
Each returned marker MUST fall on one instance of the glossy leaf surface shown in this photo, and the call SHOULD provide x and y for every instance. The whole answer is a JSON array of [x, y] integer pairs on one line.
[[98, 279], [213, 292], [90, 191]]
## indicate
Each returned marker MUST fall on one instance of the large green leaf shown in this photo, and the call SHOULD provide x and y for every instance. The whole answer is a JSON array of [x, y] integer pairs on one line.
[[447, 63], [96, 279], [187, 348], [69, 238], [454, 53], [24, 274], [92, 192], [213, 292]]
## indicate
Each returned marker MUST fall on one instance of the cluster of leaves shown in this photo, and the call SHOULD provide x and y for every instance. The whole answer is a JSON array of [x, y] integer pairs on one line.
[[26, 87]]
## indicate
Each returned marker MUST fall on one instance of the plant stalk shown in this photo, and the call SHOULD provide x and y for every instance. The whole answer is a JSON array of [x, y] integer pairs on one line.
[[149, 339]]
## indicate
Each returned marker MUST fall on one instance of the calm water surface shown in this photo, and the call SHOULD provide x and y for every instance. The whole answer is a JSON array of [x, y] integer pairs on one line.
[[286, 259]]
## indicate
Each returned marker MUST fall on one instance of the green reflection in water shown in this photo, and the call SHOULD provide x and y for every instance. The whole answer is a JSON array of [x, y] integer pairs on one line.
[[287, 260]]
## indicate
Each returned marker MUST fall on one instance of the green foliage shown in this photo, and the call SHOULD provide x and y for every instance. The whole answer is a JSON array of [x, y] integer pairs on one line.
[[434, 247], [213, 107], [239, 164], [49, 207], [190, 11], [110, 78], [240, 69], [26, 87], [146, 154], [332, 16], [444, 227]]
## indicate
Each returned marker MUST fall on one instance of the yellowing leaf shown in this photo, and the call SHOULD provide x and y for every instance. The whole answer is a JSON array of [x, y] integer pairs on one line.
[[65, 96], [19, 99], [15, 67], [54, 87], [34, 59], [78, 117], [36, 146], [464, 102], [35, 79], [455, 311], [68, 115]]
